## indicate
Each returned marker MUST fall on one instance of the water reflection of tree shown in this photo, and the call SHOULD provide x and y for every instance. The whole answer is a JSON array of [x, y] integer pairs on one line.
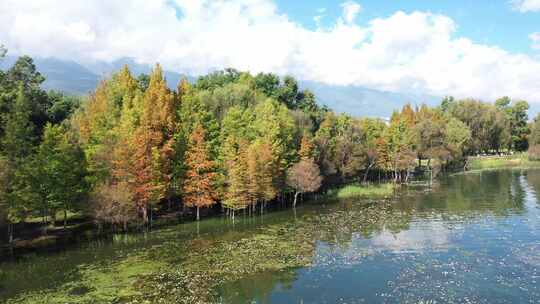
[[258, 287], [533, 180], [497, 193]]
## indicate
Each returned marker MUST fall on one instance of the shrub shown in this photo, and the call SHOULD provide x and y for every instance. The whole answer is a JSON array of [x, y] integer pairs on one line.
[[113, 204], [534, 152]]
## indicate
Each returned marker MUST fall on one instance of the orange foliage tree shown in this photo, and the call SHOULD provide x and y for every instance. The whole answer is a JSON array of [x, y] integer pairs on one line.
[[153, 144], [198, 186]]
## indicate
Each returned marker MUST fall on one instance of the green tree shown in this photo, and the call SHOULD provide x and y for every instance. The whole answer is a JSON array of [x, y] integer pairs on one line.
[[17, 145], [23, 76], [519, 126], [62, 106], [237, 195], [62, 170]]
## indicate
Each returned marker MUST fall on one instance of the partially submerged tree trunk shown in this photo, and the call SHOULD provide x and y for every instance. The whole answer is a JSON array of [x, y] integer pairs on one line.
[[54, 218], [144, 215], [198, 217], [295, 198], [10, 232], [366, 174]]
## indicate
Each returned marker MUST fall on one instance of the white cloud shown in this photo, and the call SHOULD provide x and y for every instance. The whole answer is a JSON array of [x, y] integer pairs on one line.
[[350, 10], [535, 39], [526, 5], [321, 13], [405, 52], [432, 236]]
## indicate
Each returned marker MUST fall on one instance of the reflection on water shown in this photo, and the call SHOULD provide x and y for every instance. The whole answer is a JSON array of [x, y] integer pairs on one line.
[[472, 238]]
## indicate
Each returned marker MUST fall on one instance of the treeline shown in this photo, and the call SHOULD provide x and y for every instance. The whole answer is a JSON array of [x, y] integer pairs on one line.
[[134, 146]]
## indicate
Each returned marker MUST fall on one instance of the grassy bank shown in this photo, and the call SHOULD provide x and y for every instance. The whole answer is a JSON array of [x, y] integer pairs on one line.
[[363, 191], [520, 160]]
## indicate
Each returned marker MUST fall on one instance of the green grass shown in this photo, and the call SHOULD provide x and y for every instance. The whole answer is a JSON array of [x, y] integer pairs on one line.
[[59, 217], [364, 191], [498, 162]]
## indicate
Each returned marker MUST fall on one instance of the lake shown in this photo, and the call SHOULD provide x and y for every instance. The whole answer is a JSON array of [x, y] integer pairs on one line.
[[469, 238]]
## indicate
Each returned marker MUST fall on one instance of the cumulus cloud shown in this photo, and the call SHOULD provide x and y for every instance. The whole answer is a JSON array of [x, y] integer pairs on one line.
[[431, 236], [350, 10], [526, 5], [535, 39], [405, 52]]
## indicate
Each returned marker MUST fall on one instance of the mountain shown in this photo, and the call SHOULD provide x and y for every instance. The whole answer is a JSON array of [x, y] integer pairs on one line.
[[361, 101], [62, 75], [77, 78], [81, 78], [105, 69]]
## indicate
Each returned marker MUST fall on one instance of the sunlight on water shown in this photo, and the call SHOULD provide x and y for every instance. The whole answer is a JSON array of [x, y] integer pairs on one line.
[[472, 238]]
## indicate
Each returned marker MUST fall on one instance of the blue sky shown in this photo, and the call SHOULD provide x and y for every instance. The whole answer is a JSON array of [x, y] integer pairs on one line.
[[493, 22]]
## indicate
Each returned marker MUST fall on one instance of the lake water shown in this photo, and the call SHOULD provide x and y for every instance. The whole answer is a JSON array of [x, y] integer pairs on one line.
[[470, 238]]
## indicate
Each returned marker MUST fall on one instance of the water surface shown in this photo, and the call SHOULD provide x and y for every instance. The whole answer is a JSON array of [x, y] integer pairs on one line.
[[471, 238]]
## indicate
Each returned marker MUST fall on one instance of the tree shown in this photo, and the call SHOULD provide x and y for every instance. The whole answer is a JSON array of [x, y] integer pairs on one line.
[[154, 144], [303, 177], [217, 79], [23, 76], [429, 133], [61, 107], [503, 102], [372, 131], [5, 177], [456, 136], [113, 203], [306, 148], [518, 124], [274, 124], [198, 184], [489, 125], [143, 81], [19, 139], [446, 103], [288, 91], [261, 170], [17, 145], [267, 83], [534, 139], [62, 170], [399, 139], [237, 194]]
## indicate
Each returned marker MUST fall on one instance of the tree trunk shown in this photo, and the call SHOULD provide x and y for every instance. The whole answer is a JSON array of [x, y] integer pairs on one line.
[[295, 198], [150, 218], [46, 217], [367, 173], [10, 232], [65, 219], [145, 215], [198, 213]]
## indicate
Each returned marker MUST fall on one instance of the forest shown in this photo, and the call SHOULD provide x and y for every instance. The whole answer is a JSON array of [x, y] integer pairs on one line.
[[231, 141]]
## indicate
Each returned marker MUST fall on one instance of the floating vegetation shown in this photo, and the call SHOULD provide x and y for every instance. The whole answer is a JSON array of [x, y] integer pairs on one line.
[[469, 240]]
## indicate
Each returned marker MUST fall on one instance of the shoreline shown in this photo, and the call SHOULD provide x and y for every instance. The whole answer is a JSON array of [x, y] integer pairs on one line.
[[86, 230]]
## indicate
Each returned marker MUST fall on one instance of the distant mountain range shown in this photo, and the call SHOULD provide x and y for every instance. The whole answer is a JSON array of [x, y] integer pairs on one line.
[[81, 78]]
